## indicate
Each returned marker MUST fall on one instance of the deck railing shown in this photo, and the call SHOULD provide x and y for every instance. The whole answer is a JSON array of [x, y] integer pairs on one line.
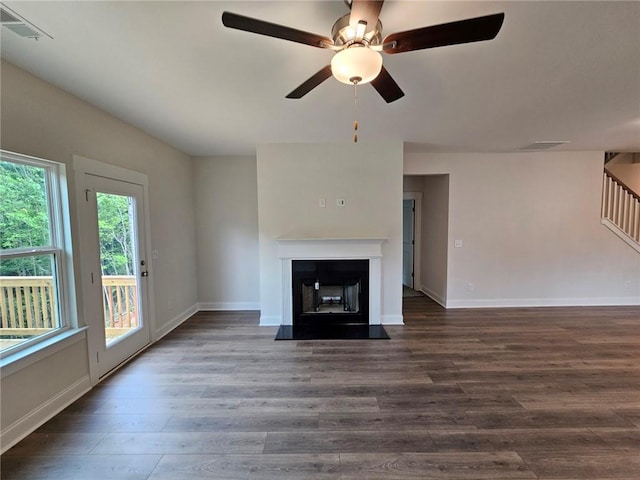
[[28, 304], [120, 299]]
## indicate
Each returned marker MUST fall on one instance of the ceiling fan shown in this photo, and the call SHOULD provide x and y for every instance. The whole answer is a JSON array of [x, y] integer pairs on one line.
[[357, 40]]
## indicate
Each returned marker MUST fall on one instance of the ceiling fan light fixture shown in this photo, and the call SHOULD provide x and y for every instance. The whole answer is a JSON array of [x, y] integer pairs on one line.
[[356, 64]]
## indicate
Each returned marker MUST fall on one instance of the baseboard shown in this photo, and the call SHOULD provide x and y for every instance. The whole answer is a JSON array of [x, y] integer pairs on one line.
[[228, 306], [34, 419], [270, 320], [545, 302], [276, 321], [433, 296], [175, 322], [392, 320]]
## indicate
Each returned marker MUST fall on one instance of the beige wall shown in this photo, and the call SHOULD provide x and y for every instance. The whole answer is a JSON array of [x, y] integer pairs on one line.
[[291, 180], [227, 233], [435, 231], [412, 184], [531, 231], [40, 120], [629, 173]]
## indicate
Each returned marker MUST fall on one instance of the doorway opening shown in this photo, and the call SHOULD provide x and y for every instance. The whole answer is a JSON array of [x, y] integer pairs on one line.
[[411, 216], [425, 236]]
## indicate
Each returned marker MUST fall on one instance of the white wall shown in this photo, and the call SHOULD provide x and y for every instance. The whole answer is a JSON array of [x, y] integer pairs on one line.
[[227, 233], [291, 180], [531, 232], [40, 120]]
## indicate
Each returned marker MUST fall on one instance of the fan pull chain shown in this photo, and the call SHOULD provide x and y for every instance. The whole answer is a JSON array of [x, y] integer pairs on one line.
[[355, 111]]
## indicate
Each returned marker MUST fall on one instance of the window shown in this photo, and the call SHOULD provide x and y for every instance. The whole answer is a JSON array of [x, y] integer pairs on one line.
[[32, 253]]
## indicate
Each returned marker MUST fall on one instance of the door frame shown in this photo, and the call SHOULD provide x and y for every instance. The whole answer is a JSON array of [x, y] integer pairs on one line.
[[417, 235], [83, 166], [408, 239]]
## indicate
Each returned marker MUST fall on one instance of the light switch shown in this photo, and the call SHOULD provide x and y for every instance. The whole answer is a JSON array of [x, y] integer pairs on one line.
[[457, 243], [340, 202]]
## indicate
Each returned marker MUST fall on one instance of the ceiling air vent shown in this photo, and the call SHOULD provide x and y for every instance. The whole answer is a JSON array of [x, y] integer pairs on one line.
[[545, 145], [6, 17], [19, 25]]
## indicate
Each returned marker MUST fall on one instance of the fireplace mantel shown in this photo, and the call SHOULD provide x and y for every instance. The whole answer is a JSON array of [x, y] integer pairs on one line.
[[329, 249]]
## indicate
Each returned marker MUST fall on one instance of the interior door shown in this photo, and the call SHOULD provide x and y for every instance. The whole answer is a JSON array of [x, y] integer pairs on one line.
[[116, 270], [408, 222]]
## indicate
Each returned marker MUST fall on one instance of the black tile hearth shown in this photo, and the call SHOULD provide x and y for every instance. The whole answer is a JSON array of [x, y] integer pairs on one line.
[[332, 332]]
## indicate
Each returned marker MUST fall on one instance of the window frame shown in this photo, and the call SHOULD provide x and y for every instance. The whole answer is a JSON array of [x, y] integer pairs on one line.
[[59, 248]]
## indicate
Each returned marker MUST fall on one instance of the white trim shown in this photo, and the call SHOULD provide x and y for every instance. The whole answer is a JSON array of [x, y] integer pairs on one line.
[[37, 352], [175, 322], [545, 302], [433, 296], [84, 167], [270, 321], [35, 418], [60, 247], [329, 248], [227, 306], [392, 320], [620, 233], [370, 248]]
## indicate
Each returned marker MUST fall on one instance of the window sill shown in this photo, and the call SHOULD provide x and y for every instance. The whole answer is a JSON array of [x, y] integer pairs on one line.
[[15, 362]]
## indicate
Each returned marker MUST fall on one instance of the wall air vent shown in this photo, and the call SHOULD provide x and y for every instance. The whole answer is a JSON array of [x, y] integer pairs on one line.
[[19, 25], [545, 145]]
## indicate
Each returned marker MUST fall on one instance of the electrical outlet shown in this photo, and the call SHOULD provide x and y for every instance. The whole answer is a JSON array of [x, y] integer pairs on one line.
[[457, 243], [470, 287], [628, 283], [322, 203]]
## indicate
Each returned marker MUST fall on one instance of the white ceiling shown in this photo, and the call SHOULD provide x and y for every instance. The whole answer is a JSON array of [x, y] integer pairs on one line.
[[557, 71]]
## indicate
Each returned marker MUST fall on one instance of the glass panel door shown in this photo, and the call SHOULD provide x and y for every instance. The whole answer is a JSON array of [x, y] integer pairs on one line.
[[115, 265], [118, 259]]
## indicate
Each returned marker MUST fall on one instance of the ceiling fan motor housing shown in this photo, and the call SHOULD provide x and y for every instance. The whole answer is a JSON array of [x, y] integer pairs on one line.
[[345, 34]]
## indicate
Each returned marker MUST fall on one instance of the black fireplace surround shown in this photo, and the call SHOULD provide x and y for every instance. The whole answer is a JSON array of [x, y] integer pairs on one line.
[[330, 292]]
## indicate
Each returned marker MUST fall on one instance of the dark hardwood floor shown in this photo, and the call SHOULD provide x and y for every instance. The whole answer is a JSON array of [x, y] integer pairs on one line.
[[545, 393]]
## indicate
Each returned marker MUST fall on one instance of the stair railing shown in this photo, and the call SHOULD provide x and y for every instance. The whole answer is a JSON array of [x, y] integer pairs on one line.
[[621, 206]]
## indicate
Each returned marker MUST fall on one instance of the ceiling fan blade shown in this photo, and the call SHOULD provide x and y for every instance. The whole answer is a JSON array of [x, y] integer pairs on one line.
[[386, 86], [454, 33], [311, 83], [253, 25], [365, 10]]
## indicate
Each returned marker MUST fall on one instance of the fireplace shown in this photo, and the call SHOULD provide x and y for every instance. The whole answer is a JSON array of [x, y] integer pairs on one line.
[[365, 250], [330, 292]]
